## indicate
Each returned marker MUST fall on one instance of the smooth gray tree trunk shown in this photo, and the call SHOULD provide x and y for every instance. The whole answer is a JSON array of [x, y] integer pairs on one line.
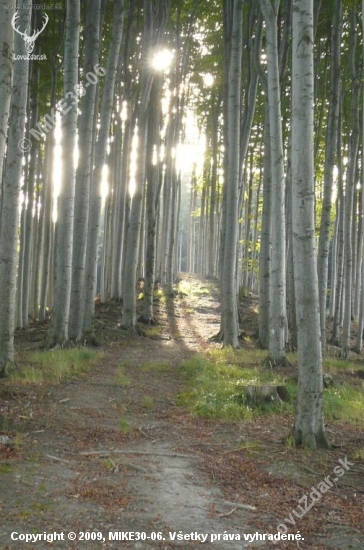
[[277, 314], [6, 71], [86, 133], [100, 159], [359, 335], [129, 319], [152, 175], [339, 244], [309, 424], [349, 191], [11, 194], [211, 271], [153, 28], [229, 307], [265, 242], [25, 269], [65, 213], [330, 157]]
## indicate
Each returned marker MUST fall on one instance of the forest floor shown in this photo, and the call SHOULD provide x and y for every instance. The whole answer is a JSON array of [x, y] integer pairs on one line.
[[114, 450]]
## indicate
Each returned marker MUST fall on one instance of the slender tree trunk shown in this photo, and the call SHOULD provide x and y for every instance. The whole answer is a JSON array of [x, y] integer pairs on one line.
[[309, 424], [6, 71], [254, 263], [152, 168], [340, 244], [334, 263], [47, 227], [141, 248], [265, 242], [330, 156], [291, 302], [47, 215], [349, 193], [27, 263], [118, 216], [277, 314], [212, 213], [359, 334], [86, 133], [11, 190], [191, 226], [100, 160], [39, 250], [229, 309], [129, 319], [65, 217], [358, 254]]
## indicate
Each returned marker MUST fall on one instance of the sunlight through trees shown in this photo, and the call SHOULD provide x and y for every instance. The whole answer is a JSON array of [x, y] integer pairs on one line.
[[144, 138]]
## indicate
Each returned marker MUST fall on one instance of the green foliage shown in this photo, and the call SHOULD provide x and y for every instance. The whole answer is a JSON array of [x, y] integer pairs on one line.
[[54, 366], [185, 288], [217, 382], [344, 403]]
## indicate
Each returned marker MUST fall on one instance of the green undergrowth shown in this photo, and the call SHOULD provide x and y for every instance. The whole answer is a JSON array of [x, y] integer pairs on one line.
[[344, 400], [54, 366], [344, 403], [216, 382], [335, 365], [154, 331], [194, 290]]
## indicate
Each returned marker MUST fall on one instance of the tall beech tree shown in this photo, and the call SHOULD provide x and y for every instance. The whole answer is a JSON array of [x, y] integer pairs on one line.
[[229, 310], [11, 183], [134, 226], [350, 214], [277, 312], [86, 133], [359, 335], [330, 158], [6, 70], [309, 424], [65, 218], [153, 168], [107, 103], [154, 21]]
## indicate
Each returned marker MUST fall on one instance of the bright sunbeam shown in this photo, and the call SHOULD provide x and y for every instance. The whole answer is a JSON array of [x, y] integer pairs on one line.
[[161, 60], [208, 80], [105, 182]]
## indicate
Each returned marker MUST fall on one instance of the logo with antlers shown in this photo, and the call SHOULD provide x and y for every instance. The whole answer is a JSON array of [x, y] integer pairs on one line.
[[29, 40]]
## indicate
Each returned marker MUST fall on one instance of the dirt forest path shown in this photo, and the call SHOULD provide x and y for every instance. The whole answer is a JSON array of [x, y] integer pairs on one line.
[[113, 451]]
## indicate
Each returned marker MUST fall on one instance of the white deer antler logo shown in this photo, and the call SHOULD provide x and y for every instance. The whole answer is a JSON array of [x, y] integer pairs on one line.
[[29, 40]]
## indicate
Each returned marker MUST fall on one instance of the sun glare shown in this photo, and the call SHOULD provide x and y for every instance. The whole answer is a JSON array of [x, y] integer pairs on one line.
[[161, 60], [208, 80]]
